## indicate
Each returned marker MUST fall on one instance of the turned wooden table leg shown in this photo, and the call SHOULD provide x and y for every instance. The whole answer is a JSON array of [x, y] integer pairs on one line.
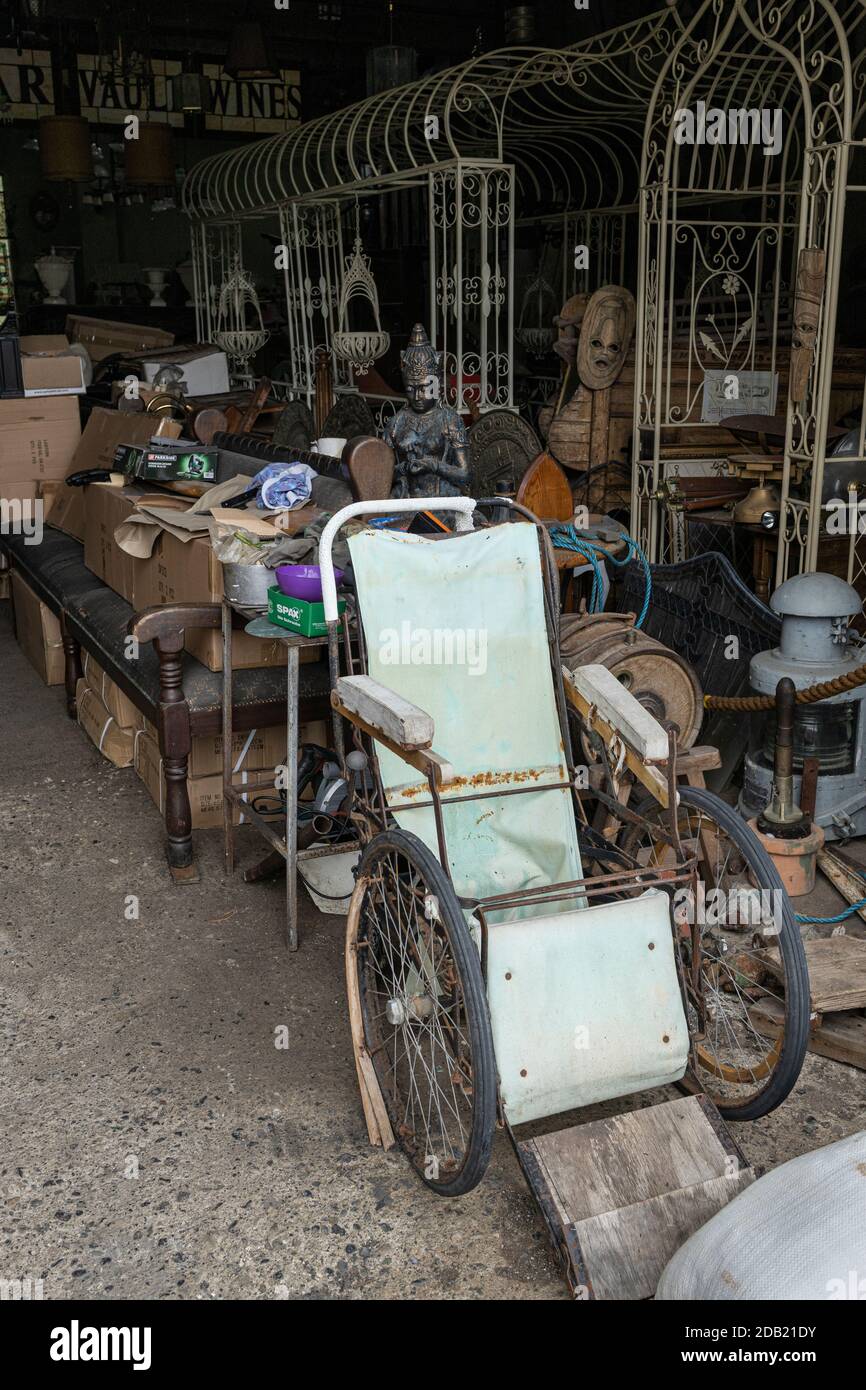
[[164, 625], [73, 671], [175, 743]]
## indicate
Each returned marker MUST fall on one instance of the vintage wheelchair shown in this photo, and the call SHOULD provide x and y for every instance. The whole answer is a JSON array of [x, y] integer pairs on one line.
[[503, 960]]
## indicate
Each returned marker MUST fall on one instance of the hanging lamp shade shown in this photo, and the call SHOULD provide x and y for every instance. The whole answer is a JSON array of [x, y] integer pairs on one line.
[[190, 91], [248, 55], [149, 159], [64, 148], [390, 66]]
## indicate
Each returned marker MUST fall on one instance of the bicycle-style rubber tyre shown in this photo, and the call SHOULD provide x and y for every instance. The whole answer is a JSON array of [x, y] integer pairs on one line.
[[424, 1011], [786, 1057]]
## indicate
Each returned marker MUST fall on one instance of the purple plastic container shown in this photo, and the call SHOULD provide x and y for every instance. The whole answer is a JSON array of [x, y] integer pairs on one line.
[[303, 581]]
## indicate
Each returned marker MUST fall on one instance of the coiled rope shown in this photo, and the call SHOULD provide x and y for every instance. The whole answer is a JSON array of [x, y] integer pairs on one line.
[[565, 537]]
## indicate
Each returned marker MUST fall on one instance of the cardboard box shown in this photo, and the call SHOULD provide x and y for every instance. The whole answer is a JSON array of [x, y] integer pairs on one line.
[[102, 337], [105, 507], [106, 429], [253, 751], [64, 507], [38, 632], [205, 369], [297, 614], [49, 368], [38, 440], [114, 743], [67, 507], [177, 572], [127, 714], [206, 793], [189, 572]]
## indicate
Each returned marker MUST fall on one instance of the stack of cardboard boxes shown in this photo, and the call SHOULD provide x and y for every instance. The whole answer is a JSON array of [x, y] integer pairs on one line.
[[127, 739], [39, 434], [41, 443]]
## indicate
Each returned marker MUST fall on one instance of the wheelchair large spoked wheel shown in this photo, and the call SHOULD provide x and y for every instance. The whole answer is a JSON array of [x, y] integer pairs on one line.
[[424, 1012], [752, 967]]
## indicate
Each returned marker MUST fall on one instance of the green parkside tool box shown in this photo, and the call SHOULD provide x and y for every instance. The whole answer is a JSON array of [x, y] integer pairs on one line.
[[298, 614]]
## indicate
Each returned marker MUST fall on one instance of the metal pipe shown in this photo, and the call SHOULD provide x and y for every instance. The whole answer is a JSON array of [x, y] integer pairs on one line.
[[783, 816]]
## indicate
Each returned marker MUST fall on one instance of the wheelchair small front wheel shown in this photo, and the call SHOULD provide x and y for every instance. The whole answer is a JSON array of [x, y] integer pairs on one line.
[[424, 1012]]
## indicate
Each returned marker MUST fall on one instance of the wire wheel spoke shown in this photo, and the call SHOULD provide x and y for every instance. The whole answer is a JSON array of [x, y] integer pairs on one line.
[[740, 954], [417, 1020]]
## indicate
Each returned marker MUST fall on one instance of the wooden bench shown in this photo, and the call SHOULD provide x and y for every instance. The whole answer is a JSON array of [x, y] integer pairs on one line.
[[179, 695]]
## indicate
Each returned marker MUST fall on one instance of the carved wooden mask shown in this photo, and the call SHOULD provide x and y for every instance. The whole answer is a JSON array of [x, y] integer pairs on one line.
[[807, 309], [568, 322], [605, 336]]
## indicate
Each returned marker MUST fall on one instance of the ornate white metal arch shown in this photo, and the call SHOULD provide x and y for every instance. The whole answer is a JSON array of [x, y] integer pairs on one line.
[[730, 219], [511, 132]]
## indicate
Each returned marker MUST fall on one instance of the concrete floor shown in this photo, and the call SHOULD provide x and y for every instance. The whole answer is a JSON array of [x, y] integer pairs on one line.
[[154, 1142]]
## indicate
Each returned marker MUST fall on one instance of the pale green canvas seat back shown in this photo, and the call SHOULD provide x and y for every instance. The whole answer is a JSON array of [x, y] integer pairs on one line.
[[584, 1000], [457, 627]]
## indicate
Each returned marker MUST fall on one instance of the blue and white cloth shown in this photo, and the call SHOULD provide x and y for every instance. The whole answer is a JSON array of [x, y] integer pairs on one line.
[[284, 485]]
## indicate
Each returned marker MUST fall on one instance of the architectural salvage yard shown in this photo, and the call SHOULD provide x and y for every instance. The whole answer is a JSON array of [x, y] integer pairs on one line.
[[433, 680]]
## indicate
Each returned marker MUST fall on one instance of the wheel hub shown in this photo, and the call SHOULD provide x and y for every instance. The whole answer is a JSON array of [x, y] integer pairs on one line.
[[395, 1012], [414, 1010]]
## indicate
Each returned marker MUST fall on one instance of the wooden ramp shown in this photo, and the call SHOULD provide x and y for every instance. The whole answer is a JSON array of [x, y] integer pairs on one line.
[[621, 1195]]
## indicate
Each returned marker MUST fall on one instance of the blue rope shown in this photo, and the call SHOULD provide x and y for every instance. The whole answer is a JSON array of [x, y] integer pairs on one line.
[[565, 537], [840, 916]]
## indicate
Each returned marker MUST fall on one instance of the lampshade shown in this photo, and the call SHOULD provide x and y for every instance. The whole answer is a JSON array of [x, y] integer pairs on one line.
[[248, 56], [64, 148], [149, 159], [190, 91]]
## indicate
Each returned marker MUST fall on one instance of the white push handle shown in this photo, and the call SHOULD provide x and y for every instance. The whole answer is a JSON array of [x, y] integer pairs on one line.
[[464, 506]]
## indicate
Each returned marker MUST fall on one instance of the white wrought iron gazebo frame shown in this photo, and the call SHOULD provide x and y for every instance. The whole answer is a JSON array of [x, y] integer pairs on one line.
[[491, 143], [738, 219], [581, 141]]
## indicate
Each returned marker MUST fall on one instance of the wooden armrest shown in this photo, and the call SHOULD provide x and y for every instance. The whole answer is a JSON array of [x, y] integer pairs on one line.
[[609, 714], [382, 708], [425, 760], [166, 619]]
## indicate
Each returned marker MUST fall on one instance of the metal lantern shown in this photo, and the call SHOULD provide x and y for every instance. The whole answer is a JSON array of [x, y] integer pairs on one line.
[[190, 91], [149, 158], [519, 25], [248, 55], [64, 148], [390, 66], [817, 645]]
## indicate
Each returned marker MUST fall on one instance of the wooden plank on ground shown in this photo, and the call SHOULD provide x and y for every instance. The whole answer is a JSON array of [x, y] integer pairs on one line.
[[621, 1195], [843, 878], [837, 972], [840, 1036]]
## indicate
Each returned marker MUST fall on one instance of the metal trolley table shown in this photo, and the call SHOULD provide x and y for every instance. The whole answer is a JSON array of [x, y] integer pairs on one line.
[[236, 799]]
